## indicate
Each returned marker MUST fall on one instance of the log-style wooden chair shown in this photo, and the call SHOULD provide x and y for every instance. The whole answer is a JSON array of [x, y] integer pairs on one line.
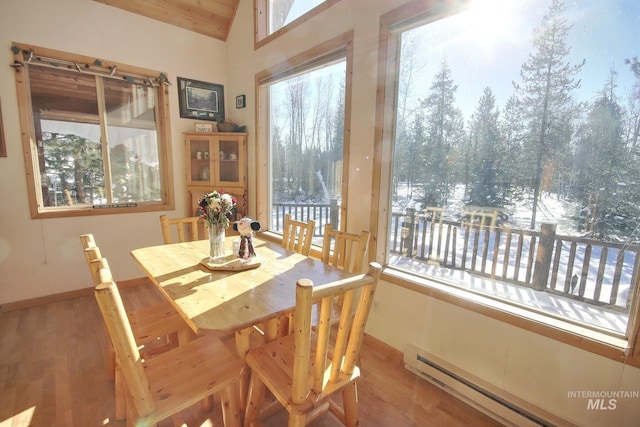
[[345, 250], [305, 369], [186, 228], [155, 327], [173, 380], [297, 235]]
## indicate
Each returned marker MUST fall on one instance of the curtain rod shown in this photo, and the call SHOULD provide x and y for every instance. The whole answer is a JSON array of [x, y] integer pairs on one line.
[[94, 69]]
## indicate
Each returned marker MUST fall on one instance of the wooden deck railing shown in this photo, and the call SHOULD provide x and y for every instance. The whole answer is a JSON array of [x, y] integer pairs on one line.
[[321, 213], [598, 273]]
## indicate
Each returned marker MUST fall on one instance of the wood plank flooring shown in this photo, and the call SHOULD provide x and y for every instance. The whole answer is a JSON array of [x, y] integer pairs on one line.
[[53, 373]]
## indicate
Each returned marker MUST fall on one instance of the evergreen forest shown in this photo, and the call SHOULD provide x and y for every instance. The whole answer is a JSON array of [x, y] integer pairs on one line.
[[543, 140]]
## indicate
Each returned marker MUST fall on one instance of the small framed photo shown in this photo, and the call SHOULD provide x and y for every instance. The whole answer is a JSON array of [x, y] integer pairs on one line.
[[201, 100], [205, 127], [240, 101]]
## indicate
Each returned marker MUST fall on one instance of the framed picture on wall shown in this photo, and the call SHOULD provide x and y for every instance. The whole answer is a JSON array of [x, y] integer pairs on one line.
[[240, 101], [201, 100]]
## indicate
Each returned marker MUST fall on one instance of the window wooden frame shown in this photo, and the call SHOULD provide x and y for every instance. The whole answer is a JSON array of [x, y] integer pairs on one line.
[[391, 24], [29, 139], [261, 21], [341, 46]]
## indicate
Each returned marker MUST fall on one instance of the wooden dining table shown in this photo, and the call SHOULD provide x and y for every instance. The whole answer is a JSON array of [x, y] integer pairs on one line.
[[232, 302]]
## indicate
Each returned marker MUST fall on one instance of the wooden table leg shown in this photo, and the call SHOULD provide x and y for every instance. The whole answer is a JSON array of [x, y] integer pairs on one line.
[[242, 347], [271, 332]]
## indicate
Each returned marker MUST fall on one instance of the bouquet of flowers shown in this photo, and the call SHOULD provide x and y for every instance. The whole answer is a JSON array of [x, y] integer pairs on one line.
[[217, 208]]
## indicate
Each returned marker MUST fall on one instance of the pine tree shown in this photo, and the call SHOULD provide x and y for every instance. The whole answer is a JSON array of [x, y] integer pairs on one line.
[[408, 126], [444, 133], [487, 186], [512, 130], [72, 163], [633, 116], [607, 173], [545, 96]]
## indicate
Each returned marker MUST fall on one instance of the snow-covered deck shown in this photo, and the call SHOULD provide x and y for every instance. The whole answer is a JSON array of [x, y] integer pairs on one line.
[[567, 309]]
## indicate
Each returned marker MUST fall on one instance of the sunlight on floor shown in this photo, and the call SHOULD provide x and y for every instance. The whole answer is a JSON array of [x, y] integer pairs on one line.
[[22, 419]]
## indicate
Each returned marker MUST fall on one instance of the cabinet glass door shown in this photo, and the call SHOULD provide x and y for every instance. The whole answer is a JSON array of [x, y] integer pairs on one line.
[[200, 161], [229, 156]]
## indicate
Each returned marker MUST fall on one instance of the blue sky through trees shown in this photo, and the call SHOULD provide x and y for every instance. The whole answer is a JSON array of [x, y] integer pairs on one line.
[[487, 45]]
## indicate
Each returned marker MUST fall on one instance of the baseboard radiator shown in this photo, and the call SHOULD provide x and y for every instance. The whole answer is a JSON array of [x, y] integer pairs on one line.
[[468, 389]]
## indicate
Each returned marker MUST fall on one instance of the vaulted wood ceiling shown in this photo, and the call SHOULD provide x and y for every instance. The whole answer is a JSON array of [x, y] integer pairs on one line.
[[212, 18]]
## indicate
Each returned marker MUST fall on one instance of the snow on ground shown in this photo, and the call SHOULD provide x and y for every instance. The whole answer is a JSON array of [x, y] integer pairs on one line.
[[551, 209], [567, 309]]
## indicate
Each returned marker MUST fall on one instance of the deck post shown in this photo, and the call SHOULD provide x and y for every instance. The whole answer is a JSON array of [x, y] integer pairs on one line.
[[408, 230], [334, 213], [543, 257]]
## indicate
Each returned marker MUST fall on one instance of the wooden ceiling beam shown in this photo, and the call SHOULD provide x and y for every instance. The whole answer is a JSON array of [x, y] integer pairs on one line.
[[212, 18]]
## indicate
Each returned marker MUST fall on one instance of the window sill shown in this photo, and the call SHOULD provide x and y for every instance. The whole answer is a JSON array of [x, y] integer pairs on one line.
[[597, 342], [88, 210]]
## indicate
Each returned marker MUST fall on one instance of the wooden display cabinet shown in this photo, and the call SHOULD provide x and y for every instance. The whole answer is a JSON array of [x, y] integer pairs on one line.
[[217, 161]]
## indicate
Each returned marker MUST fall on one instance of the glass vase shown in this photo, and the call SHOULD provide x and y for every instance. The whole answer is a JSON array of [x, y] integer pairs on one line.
[[216, 242]]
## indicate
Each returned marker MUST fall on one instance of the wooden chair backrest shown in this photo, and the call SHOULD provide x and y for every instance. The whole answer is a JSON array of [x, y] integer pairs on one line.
[[87, 241], [119, 330], [186, 228], [344, 250], [336, 352], [91, 255], [297, 235]]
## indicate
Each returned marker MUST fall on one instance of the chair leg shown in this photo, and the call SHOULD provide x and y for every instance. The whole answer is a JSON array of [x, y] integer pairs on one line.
[[271, 330], [111, 361], [350, 402], [283, 325], [172, 339], [255, 396], [183, 336], [132, 414], [120, 395], [243, 344], [296, 420], [230, 409]]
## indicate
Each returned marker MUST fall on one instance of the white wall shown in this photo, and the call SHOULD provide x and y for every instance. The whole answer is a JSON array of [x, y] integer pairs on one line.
[[244, 63], [41, 257], [537, 369]]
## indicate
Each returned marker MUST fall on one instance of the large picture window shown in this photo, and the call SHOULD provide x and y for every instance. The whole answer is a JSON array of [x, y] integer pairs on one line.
[[306, 138], [97, 135], [515, 172]]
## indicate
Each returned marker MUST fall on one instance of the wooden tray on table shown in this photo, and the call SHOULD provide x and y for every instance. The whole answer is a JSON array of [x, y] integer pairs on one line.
[[231, 263]]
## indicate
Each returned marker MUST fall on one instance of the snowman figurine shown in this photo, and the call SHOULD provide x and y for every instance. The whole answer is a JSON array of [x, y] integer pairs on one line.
[[246, 226]]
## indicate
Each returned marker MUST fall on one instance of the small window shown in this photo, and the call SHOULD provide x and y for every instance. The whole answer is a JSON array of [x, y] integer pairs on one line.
[[274, 17], [95, 135]]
